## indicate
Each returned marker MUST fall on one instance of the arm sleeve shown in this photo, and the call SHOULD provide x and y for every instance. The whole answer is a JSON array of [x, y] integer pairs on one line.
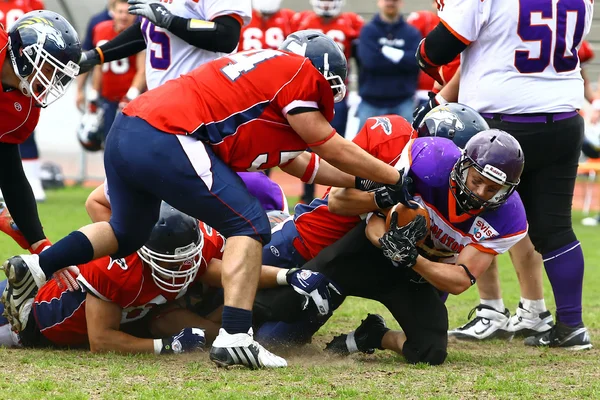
[[223, 37], [18, 194], [127, 43], [441, 46]]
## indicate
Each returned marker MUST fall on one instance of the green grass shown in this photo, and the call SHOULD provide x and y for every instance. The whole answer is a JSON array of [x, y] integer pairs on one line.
[[473, 370]]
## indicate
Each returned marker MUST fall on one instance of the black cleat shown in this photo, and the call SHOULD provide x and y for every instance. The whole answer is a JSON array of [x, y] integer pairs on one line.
[[562, 336], [366, 338]]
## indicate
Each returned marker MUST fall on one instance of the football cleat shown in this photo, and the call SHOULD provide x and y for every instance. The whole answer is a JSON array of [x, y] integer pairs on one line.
[[525, 323], [562, 336], [241, 349], [8, 226], [25, 277], [488, 323], [366, 338]]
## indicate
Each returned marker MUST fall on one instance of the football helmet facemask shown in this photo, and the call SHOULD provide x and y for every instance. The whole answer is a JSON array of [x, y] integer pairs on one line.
[[453, 121], [327, 8], [44, 50], [497, 156], [174, 250], [324, 54]]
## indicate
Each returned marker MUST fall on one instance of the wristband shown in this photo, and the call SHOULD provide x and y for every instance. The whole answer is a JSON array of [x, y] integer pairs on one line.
[[440, 99], [282, 278], [158, 345], [92, 95], [132, 93]]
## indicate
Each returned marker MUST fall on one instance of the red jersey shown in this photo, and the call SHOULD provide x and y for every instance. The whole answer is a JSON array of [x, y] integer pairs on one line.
[[298, 18], [60, 314], [266, 32], [343, 29], [238, 105], [384, 138], [117, 75], [12, 10], [585, 52], [424, 21], [18, 113]]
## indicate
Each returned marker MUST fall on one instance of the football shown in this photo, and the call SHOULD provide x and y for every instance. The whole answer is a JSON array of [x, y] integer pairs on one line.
[[406, 215]]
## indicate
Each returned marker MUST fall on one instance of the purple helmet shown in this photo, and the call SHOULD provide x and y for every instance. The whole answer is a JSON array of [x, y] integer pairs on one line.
[[496, 155]]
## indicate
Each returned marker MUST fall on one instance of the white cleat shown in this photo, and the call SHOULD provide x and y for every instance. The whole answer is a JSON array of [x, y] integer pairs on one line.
[[525, 323], [242, 349], [487, 324]]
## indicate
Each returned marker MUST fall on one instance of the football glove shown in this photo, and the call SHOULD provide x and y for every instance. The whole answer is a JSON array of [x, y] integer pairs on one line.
[[389, 195], [89, 59], [312, 285], [399, 243], [153, 10], [188, 339], [421, 111]]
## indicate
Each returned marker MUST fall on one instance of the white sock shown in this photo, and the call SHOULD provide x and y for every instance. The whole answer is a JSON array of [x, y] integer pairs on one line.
[[534, 306], [496, 304]]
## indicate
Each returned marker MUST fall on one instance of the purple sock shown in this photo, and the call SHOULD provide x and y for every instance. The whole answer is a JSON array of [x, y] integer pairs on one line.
[[564, 268], [74, 249]]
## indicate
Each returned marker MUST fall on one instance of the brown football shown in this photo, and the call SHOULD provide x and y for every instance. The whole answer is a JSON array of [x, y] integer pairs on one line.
[[406, 215]]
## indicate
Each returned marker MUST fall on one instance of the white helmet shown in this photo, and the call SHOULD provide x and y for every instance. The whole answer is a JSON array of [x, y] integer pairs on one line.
[[267, 7], [174, 250], [327, 8]]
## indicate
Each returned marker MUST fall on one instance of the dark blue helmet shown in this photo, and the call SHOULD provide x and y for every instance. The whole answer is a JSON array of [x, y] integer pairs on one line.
[[174, 250], [324, 54], [44, 50], [453, 121], [90, 131], [497, 156]]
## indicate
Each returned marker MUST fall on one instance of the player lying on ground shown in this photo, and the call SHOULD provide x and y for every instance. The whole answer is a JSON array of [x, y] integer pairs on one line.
[[112, 297], [475, 215], [323, 221]]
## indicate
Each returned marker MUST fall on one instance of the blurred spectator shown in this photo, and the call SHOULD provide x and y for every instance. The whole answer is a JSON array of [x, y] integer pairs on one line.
[[388, 74], [343, 28], [118, 82], [87, 44], [10, 12], [424, 21], [270, 25]]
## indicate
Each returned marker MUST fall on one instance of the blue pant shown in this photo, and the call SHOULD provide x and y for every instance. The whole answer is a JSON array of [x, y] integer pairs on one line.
[[280, 251], [110, 109], [366, 110], [29, 149], [145, 165]]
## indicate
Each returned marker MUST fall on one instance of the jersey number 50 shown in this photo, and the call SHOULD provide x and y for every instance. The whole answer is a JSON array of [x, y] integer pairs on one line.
[[553, 24]]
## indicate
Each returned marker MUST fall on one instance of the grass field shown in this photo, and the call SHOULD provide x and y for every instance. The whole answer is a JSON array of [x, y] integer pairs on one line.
[[473, 370]]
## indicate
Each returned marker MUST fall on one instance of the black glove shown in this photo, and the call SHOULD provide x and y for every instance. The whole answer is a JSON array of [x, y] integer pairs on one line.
[[399, 243], [421, 111], [89, 59], [390, 195], [153, 10], [366, 185]]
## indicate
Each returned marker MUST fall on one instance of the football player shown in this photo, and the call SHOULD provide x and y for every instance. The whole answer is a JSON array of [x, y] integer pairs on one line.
[[474, 213], [323, 221], [555, 123], [38, 60], [343, 28], [185, 151], [112, 296], [10, 12], [116, 83], [270, 25]]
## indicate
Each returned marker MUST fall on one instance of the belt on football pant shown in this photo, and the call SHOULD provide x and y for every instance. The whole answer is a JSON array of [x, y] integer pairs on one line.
[[547, 118]]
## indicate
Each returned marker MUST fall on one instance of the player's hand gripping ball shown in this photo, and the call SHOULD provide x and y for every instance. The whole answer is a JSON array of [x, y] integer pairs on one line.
[[406, 215]]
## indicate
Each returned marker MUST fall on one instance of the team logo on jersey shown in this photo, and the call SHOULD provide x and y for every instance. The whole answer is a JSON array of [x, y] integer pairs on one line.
[[44, 30], [481, 230], [443, 116], [384, 122], [18, 106]]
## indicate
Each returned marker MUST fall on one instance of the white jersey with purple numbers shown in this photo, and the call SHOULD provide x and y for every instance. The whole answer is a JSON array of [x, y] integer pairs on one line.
[[523, 56], [430, 161], [168, 56]]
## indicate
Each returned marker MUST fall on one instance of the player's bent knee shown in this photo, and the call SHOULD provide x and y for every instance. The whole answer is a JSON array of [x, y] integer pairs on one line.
[[427, 354]]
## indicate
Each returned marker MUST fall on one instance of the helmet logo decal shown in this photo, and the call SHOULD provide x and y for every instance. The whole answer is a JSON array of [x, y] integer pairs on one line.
[[185, 249], [384, 122], [297, 48], [493, 173], [45, 31], [443, 116]]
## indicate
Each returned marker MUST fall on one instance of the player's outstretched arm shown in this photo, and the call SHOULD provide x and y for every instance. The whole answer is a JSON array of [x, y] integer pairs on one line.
[[343, 154], [311, 169], [455, 278], [350, 202], [97, 205]]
